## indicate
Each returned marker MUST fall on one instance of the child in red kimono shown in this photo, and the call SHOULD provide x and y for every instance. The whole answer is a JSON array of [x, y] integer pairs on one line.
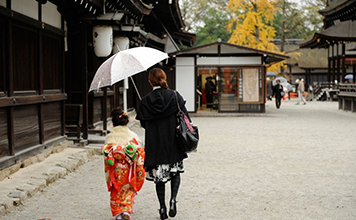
[[124, 159]]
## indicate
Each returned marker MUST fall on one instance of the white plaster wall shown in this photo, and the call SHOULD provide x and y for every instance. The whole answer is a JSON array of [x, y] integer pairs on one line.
[[26, 7], [350, 52], [185, 80], [229, 61], [185, 61], [50, 15], [3, 3]]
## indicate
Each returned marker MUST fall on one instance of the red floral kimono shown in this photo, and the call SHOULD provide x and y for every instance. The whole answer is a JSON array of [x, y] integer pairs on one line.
[[124, 174]]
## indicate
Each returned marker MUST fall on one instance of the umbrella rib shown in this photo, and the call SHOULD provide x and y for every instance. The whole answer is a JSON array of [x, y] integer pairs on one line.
[[139, 96]]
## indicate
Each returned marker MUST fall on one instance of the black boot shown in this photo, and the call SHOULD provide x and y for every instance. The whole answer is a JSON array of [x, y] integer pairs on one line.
[[175, 182], [160, 190]]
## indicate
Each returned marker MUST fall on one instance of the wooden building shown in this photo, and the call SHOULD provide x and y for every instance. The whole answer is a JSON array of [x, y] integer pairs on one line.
[[49, 55], [338, 37], [239, 73], [306, 63]]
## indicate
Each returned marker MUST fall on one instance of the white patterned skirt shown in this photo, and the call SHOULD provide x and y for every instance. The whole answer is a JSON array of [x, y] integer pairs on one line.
[[164, 172]]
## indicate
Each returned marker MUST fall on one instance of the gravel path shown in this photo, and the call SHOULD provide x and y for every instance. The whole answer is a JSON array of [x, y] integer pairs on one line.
[[297, 162]]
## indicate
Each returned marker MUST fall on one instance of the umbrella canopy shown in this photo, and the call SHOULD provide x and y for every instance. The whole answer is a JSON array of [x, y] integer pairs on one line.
[[270, 74], [124, 64], [349, 76], [281, 79]]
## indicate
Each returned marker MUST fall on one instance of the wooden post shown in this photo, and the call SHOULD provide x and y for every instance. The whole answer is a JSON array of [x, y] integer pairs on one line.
[[105, 99], [343, 62], [84, 79], [338, 63], [62, 84], [10, 87], [333, 59], [40, 86], [329, 65]]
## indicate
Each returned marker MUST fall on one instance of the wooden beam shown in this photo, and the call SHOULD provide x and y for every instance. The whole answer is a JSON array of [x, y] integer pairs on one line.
[[28, 100]]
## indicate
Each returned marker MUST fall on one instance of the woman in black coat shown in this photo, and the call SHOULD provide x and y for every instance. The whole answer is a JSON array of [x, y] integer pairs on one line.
[[164, 159], [277, 89]]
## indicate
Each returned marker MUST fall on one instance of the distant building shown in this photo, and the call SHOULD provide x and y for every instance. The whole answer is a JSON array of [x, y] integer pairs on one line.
[[239, 73], [311, 65], [338, 37]]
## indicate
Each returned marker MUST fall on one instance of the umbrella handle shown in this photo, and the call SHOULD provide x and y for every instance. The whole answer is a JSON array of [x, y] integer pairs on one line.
[[139, 96]]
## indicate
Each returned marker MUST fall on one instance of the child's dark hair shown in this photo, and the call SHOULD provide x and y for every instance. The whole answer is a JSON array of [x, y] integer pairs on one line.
[[119, 117]]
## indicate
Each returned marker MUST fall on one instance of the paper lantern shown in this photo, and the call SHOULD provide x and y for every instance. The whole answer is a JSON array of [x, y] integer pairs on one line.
[[102, 40], [122, 42]]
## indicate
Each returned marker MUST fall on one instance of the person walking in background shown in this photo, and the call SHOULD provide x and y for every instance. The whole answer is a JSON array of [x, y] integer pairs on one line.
[[277, 91], [269, 89], [209, 89], [157, 114], [124, 170], [301, 89]]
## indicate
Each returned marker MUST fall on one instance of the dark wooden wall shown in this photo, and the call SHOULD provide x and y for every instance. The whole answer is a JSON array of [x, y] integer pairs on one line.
[[32, 92]]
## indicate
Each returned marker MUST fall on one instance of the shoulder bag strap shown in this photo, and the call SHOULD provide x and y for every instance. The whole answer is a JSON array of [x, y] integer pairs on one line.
[[175, 93], [187, 122]]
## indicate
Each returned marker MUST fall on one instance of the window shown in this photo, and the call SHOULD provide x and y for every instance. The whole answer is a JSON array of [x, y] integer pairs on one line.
[[228, 89]]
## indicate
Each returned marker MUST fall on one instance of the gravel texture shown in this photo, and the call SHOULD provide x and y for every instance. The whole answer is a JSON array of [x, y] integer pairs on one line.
[[296, 162]]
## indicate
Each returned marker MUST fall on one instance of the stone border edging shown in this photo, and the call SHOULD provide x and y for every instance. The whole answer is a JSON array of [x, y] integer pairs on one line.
[[22, 184]]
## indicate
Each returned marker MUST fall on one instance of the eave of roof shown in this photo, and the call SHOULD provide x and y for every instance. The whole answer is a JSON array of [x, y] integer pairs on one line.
[[343, 31], [136, 6], [342, 10], [273, 57]]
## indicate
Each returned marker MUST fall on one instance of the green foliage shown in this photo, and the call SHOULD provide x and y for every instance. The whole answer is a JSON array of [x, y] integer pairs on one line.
[[215, 22], [194, 12], [313, 17], [301, 21], [294, 18]]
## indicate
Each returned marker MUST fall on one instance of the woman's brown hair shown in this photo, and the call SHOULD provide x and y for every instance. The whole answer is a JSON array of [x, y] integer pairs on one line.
[[157, 77]]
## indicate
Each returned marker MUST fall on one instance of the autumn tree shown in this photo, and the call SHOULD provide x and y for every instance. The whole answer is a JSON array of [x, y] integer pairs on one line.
[[251, 23]]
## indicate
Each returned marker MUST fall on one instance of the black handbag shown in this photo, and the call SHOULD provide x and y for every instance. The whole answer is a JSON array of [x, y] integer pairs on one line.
[[187, 134]]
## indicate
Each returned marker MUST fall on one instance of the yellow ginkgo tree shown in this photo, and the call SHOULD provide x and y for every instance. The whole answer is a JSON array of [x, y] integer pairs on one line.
[[251, 24]]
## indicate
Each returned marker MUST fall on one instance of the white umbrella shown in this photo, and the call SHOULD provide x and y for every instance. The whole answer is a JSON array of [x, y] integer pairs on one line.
[[270, 73], [281, 79], [125, 64], [349, 76]]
